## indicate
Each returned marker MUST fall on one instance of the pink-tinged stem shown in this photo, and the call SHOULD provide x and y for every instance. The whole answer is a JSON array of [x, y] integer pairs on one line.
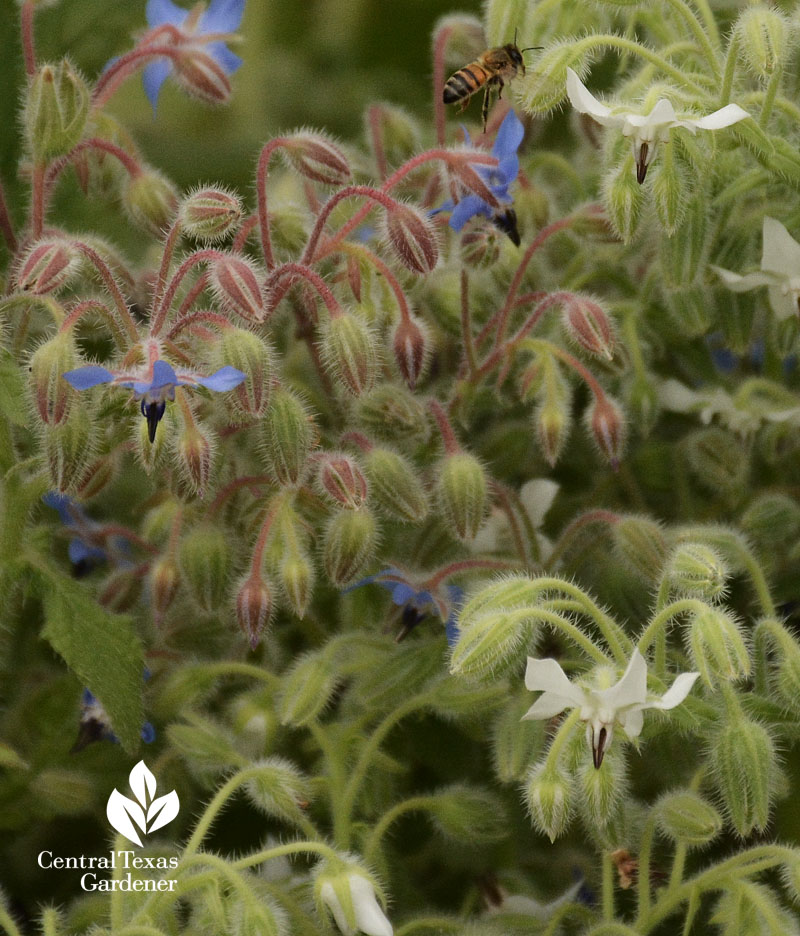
[[200, 256], [386, 272], [501, 494], [6, 225], [449, 439], [127, 65], [92, 305], [123, 313], [261, 198], [579, 368], [261, 542], [166, 259], [128, 162], [498, 354], [464, 565], [574, 528], [244, 232], [376, 136], [28, 45], [197, 288], [284, 277], [440, 41], [37, 199], [110, 529], [203, 315], [251, 481]]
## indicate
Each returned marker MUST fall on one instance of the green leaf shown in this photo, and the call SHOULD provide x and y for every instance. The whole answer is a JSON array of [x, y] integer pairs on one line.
[[102, 649], [9, 758]]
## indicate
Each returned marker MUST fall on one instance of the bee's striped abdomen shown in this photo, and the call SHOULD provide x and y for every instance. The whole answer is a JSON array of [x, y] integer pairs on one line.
[[464, 82]]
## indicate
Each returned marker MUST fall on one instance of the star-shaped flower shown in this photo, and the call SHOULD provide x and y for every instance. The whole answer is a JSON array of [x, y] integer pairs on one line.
[[646, 130], [356, 910], [86, 548], [601, 706], [205, 28], [498, 178], [153, 385], [780, 270], [418, 600], [95, 725]]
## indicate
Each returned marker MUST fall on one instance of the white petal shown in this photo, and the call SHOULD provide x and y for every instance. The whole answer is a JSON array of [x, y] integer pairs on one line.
[[585, 102], [738, 283], [331, 901], [676, 693], [370, 919], [662, 115], [784, 304], [548, 705], [632, 720], [630, 690], [546, 675], [673, 395], [724, 117], [537, 497], [781, 252]]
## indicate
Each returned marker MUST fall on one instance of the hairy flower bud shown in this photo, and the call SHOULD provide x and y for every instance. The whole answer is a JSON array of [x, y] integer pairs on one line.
[[48, 266], [480, 247], [238, 284], [762, 33], [205, 561], [717, 459], [669, 190], [547, 794], [63, 792], [716, 646], [342, 480], [296, 577], [211, 214], [698, 571], [640, 545], [684, 255], [544, 86], [602, 791], [201, 76], [151, 201], [412, 237], [607, 425], [306, 689], [348, 893], [289, 435], [68, 448], [349, 352], [690, 309], [686, 818], [164, 582], [624, 199], [253, 606], [461, 490], [411, 345], [742, 759], [552, 418], [315, 156], [55, 111], [348, 544], [52, 395], [98, 474], [587, 323], [253, 356], [771, 518], [121, 591], [394, 486], [392, 412], [194, 453]]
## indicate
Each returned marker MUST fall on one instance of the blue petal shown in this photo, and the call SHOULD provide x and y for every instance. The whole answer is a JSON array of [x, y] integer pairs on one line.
[[160, 12], [467, 138], [88, 698], [222, 16], [226, 378], [153, 76], [508, 168], [368, 580], [82, 378], [163, 376], [148, 733], [78, 551], [467, 208], [402, 592], [509, 136], [65, 506], [227, 60]]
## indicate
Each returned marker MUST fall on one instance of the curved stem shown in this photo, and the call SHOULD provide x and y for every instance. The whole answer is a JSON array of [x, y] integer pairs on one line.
[[769, 97], [193, 260], [110, 282], [608, 887], [731, 58], [613, 41], [643, 883], [380, 828], [261, 198], [449, 439], [292, 272], [684, 11], [663, 617]]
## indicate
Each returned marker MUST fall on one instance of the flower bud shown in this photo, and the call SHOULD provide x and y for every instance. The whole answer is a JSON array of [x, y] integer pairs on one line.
[[205, 745], [211, 214], [717, 459], [716, 646], [153, 454], [480, 247], [587, 323], [762, 33], [742, 758], [553, 414], [289, 436], [254, 607], [63, 792], [277, 788], [412, 237], [786, 661], [48, 266], [601, 792], [516, 743], [607, 425], [411, 345], [98, 474], [164, 581], [698, 571], [462, 493], [640, 545], [547, 795], [121, 591], [238, 284], [749, 908], [342, 480], [392, 412], [67, 449], [194, 452], [468, 815], [205, 561], [394, 486], [690, 309], [55, 111], [307, 689], [296, 577], [348, 893], [686, 818], [669, 186], [151, 201], [315, 156], [624, 198], [643, 404], [52, 395], [772, 518], [253, 356], [544, 86], [201, 76], [348, 544], [349, 352], [684, 255]]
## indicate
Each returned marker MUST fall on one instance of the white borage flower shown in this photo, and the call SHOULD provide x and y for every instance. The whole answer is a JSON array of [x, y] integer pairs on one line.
[[780, 270], [352, 902], [603, 706], [646, 130], [536, 497]]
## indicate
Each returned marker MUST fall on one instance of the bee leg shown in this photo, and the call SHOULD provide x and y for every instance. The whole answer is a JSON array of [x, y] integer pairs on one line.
[[463, 105], [485, 107]]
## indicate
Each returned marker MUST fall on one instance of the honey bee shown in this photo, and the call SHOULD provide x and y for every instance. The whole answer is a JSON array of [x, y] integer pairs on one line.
[[492, 68]]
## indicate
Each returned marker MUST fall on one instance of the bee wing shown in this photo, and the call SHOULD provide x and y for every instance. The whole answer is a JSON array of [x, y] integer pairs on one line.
[[495, 59]]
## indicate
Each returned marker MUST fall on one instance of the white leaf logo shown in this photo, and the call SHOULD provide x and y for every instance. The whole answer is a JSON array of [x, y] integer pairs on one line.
[[147, 811]]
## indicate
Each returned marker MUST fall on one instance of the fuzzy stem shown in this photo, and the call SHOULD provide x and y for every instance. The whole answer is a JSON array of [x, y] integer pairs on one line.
[[386, 272], [769, 97], [38, 199], [93, 305], [663, 617], [684, 11], [560, 739], [261, 198], [127, 65], [376, 137], [730, 68], [463, 565], [108, 278], [643, 883], [414, 804], [449, 439], [608, 887], [575, 527], [28, 43], [6, 224], [235, 485], [193, 260], [291, 273], [440, 41], [124, 158]]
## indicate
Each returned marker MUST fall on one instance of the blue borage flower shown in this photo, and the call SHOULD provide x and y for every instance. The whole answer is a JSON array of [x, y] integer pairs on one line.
[[95, 725], [417, 600], [221, 17], [155, 386], [86, 548], [498, 178]]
